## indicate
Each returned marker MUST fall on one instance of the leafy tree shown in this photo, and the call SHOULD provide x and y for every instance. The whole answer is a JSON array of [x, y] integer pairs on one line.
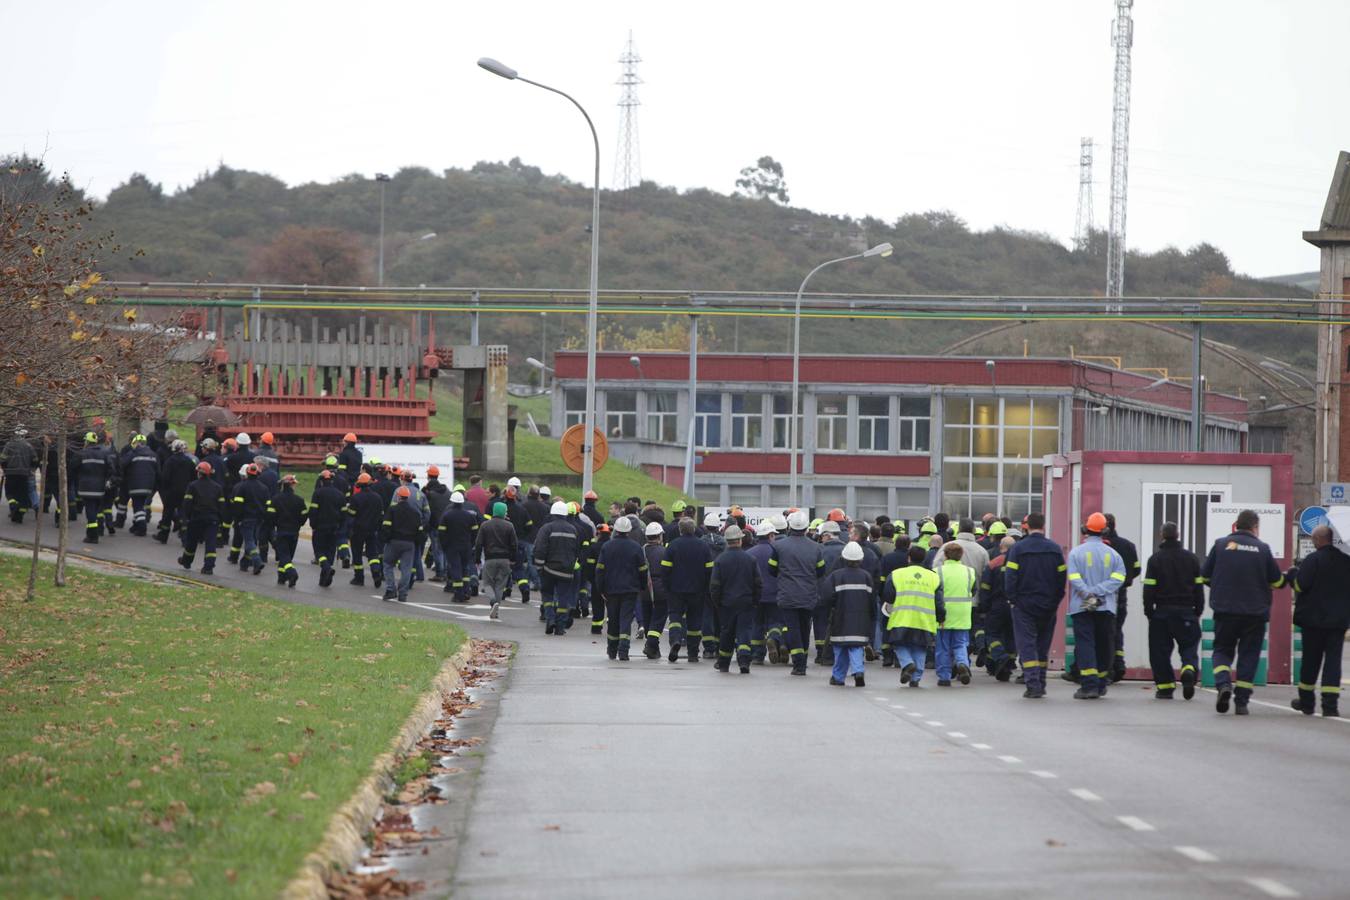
[[304, 255], [764, 180]]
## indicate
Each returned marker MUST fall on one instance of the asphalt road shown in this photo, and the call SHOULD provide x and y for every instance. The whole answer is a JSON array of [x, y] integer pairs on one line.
[[656, 779]]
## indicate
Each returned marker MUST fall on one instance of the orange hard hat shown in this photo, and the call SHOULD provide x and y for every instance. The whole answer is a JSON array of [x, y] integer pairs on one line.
[[349, 438], [433, 472], [591, 495], [1096, 523], [363, 478], [231, 444], [403, 493], [602, 528], [203, 468], [836, 515], [267, 437], [395, 470], [511, 493]]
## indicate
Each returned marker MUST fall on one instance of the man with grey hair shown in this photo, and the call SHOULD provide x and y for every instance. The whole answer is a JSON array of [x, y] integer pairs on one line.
[[1322, 609]]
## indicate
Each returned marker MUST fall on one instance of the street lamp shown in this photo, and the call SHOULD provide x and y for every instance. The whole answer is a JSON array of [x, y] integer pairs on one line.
[[381, 179], [878, 250], [543, 370], [636, 362], [592, 312]]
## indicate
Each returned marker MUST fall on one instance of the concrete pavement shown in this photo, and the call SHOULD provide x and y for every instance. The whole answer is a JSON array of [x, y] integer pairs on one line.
[[605, 779]]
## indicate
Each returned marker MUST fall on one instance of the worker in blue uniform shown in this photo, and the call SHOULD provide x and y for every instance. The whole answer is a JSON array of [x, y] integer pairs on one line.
[[621, 574], [1034, 578], [1322, 609], [1096, 576], [733, 590], [686, 569]]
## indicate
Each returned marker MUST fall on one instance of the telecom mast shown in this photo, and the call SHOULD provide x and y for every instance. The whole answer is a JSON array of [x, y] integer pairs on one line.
[[628, 159], [1082, 229], [1122, 35]]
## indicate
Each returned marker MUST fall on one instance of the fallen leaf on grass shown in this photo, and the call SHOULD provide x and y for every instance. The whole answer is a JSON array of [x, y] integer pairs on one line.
[[309, 795], [258, 791]]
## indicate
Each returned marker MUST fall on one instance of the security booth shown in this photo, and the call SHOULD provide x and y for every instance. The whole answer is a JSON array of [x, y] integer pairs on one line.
[[1202, 493]]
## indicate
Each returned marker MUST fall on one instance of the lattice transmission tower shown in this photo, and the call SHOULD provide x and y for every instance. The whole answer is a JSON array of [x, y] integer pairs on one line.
[[628, 159], [1082, 228], [1122, 36]]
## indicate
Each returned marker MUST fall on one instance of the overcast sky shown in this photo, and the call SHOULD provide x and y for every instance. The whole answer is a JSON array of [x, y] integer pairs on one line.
[[1239, 106]]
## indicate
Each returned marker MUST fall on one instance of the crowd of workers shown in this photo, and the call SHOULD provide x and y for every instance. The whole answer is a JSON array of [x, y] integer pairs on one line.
[[937, 594]]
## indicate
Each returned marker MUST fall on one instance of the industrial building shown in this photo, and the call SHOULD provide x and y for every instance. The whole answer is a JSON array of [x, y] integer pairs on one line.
[[900, 436]]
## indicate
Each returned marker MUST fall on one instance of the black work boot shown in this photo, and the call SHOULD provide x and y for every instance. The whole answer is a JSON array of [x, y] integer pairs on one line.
[[1188, 682], [652, 648], [1331, 706], [887, 658], [859, 681], [359, 579], [1163, 694], [1305, 703]]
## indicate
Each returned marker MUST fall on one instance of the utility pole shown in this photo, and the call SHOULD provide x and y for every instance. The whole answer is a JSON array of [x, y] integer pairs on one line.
[[1082, 228], [1122, 36], [382, 179]]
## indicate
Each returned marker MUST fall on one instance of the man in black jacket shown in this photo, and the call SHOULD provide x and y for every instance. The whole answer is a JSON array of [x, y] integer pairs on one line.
[[175, 475], [557, 551], [497, 545], [200, 515], [536, 504], [1174, 598], [1241, 573], [1129, 554], [286, 513], [18, 461], [402, 530], [325, 517], [519, 517], [96, 470], [365, 516], [456, 535], [1322, 609], [734, 591], [686, 568], [438, 499], [621, 574]]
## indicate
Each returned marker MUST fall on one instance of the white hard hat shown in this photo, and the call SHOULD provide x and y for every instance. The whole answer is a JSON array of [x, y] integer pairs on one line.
[[853, 552], [779, 523], [513, 481], [456, 497], [829, 527], [766, 527], [798, 521], [243, 439], [623, 524], [558, 509], [733, 533], [545, 492], [711, 521], [654, 529]]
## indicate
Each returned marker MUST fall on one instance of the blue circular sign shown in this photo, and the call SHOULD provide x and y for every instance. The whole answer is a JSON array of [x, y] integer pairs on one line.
[[1311, 517]]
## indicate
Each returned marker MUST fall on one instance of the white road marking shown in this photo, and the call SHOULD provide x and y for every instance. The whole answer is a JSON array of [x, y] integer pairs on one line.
[[1197, 854], [956, 734], [1285, 707], [1272, 887], [1042, 773], [982, 746], [934, 724], [1135, 823], [914, 714], [897, 706], [1010, 759], [449, 612], [1085, 794]]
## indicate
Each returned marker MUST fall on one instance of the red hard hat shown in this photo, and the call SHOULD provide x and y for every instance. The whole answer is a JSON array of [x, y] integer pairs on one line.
[[251, 470], [591, 495], [511, 493], [403, 493], [836, 515], [349, 438], [203, 468], [433, 472]]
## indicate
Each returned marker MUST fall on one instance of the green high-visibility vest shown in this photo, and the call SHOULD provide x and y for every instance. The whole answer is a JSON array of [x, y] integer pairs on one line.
[[958, 594], [915, 603]]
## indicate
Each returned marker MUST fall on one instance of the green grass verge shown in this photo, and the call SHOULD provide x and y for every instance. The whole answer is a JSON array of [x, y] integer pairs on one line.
[[180, 741]]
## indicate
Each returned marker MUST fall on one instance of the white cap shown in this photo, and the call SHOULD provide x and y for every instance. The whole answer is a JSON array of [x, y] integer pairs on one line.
[[779, 523], [654, 529], [798, 521], [545, 492], [853, 552], [558, 509], [456, 497], [733, 533], [766, 527], [243, 439], [829, 527], [711, 521], [513, 481], [623, 524]]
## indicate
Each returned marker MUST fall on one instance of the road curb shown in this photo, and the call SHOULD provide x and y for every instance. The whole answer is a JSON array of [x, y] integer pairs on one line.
[[342, 842]]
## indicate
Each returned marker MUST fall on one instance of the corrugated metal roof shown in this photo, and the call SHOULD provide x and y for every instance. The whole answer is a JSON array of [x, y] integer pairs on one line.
[[1336, 214]]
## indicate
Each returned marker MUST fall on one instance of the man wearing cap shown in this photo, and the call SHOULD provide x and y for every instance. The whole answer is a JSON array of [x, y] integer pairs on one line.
[[497, 545], [287, 512], [350, 457], [851, 589], [686, 569], [799, 565], [734, 590], [1241, 573], [621, 573], [557, 554], [1096, 575], [1034, 579], [403, 529], [654, 597], [767, 640], [200, 515], [364, 513]]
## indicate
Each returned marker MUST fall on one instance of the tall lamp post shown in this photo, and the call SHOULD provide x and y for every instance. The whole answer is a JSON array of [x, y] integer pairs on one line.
[[793, 413], [381, 179], [588, 438]]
